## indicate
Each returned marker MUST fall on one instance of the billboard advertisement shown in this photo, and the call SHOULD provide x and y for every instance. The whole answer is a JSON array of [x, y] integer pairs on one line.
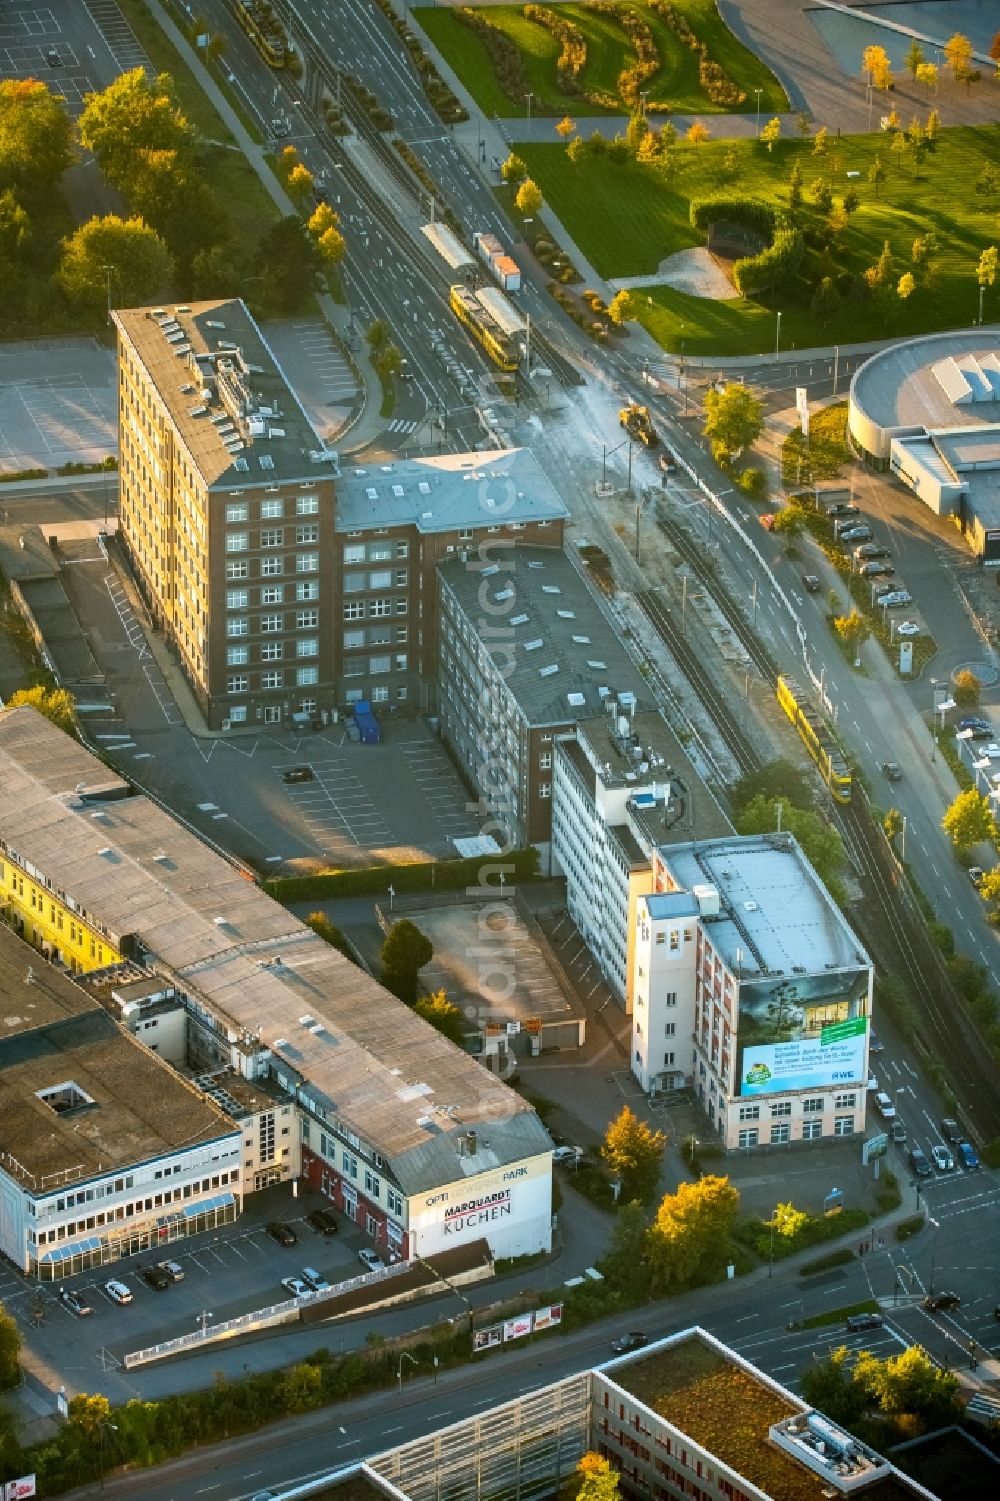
[[803, 1033]]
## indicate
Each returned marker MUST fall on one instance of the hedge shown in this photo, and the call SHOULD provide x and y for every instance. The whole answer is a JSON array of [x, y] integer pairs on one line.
[[375, 880], [827, 1263], [777, 262]]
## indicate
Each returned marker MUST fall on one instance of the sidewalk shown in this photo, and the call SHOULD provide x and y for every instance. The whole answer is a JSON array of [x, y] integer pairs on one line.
[[366, 424]]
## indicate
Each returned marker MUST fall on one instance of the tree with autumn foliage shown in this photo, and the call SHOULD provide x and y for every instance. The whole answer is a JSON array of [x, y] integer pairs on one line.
[[633, 1152], [592, 1480], [688, 1242]]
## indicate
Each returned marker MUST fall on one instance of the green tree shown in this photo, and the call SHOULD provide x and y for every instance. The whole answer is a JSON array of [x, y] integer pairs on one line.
[[822, 194], [689, 1239], [621, 308], [513, 169], [822, 845], [825, 301], [851, 201], [132, 116], [877, 174], [140, 263], [443, 1015], [378, 335], [10, 1350], [779, 778], [914, 58], [789, 522], [168, 192], [986, 271], [15, 227], [910, 1384], [968, 820], [289, 264], [216, 269], [528, 198], [636, 130], [828, 1385], [770, 133], [404, 953], [624, 1263], [57, 704], [36, 136], [734, 420], [966, 689], [788, 1221], [633, 1152]]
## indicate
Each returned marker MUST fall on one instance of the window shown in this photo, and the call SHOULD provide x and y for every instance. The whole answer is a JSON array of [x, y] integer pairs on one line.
[[272, 510], [309, 590], [271, 567], [843, 1125], [272, 536], [379, 552], [675, 940], [273, 594], [354, 667], [381, 579], [379, 607], [378, 664], [307, 562], [401, 661], [749, 1112], [307, 505], [307, 646], [402, 549], [305, 677], [237, 511], [272, 679], [272, 714], [545, 789], [237, 625], [307, 533], [783, 1107], [668, 1060], [780, 1133], [669, 1029], [306, 620], [237, 570], [237, 684], [353, 639], [810, 1107], [380, 694], [394, 1201], [402, 632], [748, 1137], [401, 693], [237, 599], [271, 623], [271, 651], [844, 1102], [354, 609], [812, 1130], [401, 607], [238, 714], [354, 553], [237, 541], [670, 999], [237, 656], [401, 577], [545, 761]]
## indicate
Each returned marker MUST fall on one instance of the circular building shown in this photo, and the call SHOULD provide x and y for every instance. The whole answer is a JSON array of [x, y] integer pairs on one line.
[[929, 410]]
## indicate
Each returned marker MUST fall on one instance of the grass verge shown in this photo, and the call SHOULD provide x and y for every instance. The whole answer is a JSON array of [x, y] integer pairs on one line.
[[839, 1315], [810, 461]]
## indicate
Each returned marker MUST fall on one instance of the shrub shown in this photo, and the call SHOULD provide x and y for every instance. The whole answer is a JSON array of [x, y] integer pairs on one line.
[[572, 58], [827, 1263], [717, 84], [912, 1226], [753, 482], [504, 54], [446, 875]]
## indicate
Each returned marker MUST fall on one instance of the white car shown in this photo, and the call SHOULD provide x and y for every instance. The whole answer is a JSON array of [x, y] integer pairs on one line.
[[315, 1280], [565, 1155], [907, 628], [943, 1160], [371, 1260], [117, 1291], [295, 1286]]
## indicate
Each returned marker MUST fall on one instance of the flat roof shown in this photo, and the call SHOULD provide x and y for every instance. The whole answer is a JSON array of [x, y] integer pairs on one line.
[[451, 492], [899, 387], [52, 1032], [777, 917], [228, 397], [371, 1061], [969, 447], [561, 657], [25, 554]]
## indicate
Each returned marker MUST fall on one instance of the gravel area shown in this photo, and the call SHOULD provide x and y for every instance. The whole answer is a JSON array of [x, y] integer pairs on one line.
[[695, 271]]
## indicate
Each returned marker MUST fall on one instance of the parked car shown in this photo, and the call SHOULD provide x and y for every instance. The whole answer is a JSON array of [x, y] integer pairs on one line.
[[53, 58], [117, 1291], [282, 1233], [876, 570], [943, 1160], [875, 1043], [951, 1130], [75, 1302], [976, 875], [565, 1155], [811, 583], [967, 1155], [858, 1321], [298, 774], [919, 1163], [173, 1269], [980, 727], [371, 1260], [896, 598], [907, 628], [873, 1083], [884, 1106], [871, 550], [898, 1131], [891, 770], [156, 1278], [323, 1220], [938, 1301], [295, 1287], [634, 1340], [841, 508], [859, 533], [315, 1280]]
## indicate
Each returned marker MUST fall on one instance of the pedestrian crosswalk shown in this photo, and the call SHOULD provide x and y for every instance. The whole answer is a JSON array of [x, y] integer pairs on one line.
[[398, 425]]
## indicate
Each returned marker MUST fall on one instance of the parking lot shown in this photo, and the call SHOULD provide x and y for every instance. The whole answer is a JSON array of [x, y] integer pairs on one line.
[[317, 370], [73, 48], [58, 403]]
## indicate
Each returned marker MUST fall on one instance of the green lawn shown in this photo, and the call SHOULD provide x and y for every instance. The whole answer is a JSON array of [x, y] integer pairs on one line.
[[675, 87], [626, 219]]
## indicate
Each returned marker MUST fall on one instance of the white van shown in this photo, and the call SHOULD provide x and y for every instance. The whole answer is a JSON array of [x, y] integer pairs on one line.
[[884, 1105]]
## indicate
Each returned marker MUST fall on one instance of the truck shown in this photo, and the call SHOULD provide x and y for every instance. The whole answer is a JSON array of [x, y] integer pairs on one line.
[[636, 421], [366, 722], [500, 265]]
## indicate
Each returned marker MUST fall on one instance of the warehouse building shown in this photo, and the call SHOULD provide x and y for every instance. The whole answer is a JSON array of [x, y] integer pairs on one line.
[[929, 410], [410, 1137]]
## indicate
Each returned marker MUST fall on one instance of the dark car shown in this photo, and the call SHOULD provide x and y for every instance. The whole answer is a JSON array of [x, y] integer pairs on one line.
[[876, 570], [898, 1131], [938, 1301], [871, 550], [856, 533], [282, 1233], [52, 58], [967, 1155], [298, 774], [951, 1130], [811, 583], [323, 1220], [843, 509], [75, 1302], [858, 1321], [892, 771], [156, 1278], [919, 1163], [634, 1340], [980, 729]]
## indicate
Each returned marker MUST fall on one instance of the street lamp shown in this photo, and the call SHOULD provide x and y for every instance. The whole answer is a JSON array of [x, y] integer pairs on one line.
[[528, 97], [399, 1368], [777, 337], [392, 893], [644, 95], [936, 1226], [100, 1446], [758, 93]]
